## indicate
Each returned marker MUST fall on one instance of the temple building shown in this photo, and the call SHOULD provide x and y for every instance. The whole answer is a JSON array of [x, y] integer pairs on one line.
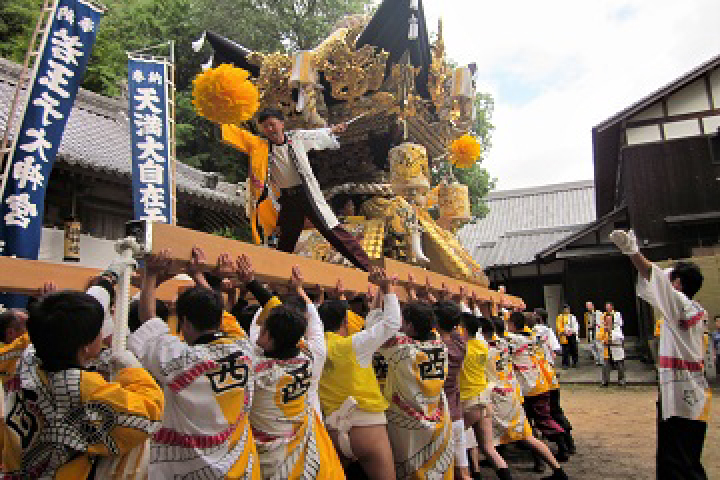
[[91, 180]]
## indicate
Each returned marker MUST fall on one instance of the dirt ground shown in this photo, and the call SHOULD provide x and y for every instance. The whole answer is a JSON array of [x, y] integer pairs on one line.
[[614, 430]]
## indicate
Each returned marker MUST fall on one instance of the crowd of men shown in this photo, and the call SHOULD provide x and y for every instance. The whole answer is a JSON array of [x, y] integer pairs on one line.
[[244, 380]]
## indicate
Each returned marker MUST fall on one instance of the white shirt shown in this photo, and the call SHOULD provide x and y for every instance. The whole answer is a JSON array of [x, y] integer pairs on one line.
[[598, 319], [380, 326], [283, 172], [617, 319], [571, 326], [550, 342], [315, 340], [683, 387]]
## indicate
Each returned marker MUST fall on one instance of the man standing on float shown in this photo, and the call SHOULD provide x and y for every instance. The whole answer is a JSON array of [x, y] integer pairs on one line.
[[300, 194]]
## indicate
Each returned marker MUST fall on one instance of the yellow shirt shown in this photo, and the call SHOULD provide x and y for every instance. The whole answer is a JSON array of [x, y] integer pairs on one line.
[[560, 328], [355, 322], [472, 379], [130, 409], [343, 377]]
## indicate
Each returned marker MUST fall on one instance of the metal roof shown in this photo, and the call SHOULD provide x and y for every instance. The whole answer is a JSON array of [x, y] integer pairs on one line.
[[97, 136], [523, 222]]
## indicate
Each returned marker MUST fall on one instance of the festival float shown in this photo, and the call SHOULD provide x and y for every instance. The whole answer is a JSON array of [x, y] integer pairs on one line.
[[407, 110]]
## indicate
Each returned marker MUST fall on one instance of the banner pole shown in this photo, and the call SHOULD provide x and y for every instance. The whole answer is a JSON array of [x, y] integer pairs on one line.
[[42, 27], [173, 140]]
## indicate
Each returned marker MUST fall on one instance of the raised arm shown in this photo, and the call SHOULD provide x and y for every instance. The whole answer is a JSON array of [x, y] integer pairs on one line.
[[367, 342], [410, 288], [628, 245], [315, 333], [653, 284], [428, 289], [152, 343], [155, 267]]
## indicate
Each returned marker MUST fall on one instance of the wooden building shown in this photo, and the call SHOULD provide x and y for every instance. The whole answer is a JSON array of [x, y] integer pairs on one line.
[[660, 158], [513, 240], [657, 169], [91, 178]]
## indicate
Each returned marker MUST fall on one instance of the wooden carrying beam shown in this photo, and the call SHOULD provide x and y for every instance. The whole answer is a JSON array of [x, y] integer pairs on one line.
[[273, 266], [403, 270], [27, 277]]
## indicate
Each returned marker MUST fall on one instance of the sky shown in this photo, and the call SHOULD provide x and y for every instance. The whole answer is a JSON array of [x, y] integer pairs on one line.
[[556, 68]]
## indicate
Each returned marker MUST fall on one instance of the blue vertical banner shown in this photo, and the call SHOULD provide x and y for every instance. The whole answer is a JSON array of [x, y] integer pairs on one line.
[[149, 91], [65, 53]]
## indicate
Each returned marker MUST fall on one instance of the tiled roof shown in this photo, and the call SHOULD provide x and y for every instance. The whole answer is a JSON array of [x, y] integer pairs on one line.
[[97, 137], [523, 222]]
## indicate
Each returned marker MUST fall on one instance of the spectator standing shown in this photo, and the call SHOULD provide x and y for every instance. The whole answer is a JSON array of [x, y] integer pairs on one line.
[[567, 329]]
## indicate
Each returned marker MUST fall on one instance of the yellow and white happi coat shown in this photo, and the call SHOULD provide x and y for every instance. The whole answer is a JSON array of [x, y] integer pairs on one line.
[[291, 440], [522, 352], [205, 431], [59, 425], [540, 357], [508, 416], [419, 423]]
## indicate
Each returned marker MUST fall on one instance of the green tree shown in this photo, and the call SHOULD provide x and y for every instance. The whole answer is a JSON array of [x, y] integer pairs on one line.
[[17, 21], [477, 178]]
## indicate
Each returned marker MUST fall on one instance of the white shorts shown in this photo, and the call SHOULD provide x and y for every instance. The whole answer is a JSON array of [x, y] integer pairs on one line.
[[461, 458], [357, 418]]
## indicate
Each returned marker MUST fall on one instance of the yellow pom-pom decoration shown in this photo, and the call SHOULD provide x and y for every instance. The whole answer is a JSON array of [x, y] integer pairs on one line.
[[465, 151], [225, 95]]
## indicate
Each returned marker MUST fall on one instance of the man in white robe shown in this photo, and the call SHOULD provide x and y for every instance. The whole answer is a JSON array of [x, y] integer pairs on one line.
[[684, 405], [300, 194]]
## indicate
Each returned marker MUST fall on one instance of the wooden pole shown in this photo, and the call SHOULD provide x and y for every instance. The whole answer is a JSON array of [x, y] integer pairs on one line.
[[173, 140], [33, 55], [273, 266], [26, 277]]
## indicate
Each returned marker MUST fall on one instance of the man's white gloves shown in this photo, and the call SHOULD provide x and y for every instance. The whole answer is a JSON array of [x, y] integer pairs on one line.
[[124, 359], [625, 241]]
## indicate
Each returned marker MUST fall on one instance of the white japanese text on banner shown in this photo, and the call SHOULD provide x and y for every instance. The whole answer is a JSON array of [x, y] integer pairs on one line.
[[150, 136], [53, 87]]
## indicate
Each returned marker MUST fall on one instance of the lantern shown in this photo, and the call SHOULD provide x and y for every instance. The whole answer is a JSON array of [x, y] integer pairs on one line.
[[409, 169], [303, 76], [454, 203], [462, 84], [303, 68], [72, 241]]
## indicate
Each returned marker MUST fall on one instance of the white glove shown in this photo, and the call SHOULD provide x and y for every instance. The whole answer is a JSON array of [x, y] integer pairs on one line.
[[124, 359], [625, 241]]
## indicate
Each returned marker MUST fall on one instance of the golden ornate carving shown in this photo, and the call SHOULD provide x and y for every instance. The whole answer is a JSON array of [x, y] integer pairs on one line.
[[351, 72], [439, 71], [274, 80]]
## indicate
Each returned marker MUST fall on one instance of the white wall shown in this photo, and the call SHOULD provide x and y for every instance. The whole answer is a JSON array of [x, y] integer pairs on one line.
[[691, 99], [94, 252]]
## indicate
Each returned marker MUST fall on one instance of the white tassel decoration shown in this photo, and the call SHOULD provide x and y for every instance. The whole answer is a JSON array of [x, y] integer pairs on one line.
[[198, 44], [416, 245], [208, 65]]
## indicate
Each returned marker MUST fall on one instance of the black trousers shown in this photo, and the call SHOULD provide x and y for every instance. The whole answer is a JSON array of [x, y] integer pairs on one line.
[[557, 412], [570, 350], [537, 411], [679, 448], [296, 207]]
